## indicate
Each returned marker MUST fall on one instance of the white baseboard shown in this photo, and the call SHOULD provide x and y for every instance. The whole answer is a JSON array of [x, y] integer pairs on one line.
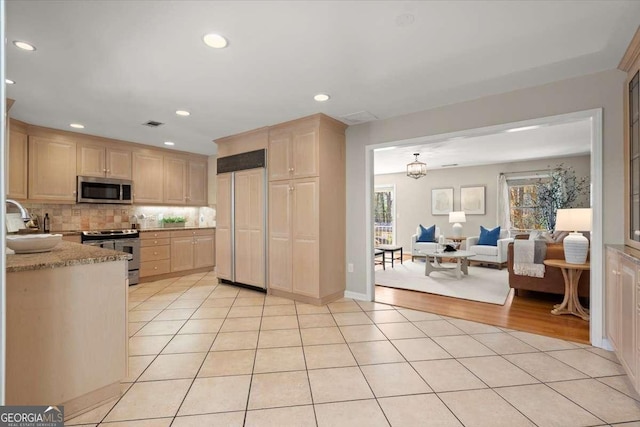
[[356, 295]]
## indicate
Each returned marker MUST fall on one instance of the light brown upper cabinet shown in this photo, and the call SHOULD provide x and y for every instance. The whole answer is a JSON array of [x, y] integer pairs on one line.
[[103, 161], [293, 150], [52, 169], [197, 187], [175, 180], [185, 181], [17, 162], [148, 177]]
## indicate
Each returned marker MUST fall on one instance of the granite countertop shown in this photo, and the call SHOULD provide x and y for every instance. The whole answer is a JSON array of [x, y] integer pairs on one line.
[[65, 254], [142, 230], [627, 251]]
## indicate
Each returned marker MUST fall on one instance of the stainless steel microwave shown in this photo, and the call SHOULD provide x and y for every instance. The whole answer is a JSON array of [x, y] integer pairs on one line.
[[104, 190]]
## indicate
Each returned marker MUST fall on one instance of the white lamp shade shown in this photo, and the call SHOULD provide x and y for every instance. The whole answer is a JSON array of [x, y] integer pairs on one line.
[[573, 219], [576, 246], [457, 217]]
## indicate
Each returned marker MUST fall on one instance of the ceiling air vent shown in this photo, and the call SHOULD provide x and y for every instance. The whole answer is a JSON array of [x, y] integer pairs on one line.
[[153, 124], [359, 117]]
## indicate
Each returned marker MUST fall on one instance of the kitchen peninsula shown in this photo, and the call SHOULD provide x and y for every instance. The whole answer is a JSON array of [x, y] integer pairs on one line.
[[66, 327]]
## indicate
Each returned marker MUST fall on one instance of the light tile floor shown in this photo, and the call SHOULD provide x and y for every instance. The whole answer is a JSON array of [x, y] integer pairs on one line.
[[203, 354]]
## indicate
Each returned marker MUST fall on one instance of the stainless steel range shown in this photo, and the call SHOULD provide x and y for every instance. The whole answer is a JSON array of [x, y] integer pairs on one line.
[[119, 240]]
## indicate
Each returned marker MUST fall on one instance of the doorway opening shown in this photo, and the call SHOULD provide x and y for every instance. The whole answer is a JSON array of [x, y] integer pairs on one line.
[[517, 312]]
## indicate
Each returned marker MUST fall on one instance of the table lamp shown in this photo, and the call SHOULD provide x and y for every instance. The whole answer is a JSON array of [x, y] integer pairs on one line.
[[576, 246], [456, 218]]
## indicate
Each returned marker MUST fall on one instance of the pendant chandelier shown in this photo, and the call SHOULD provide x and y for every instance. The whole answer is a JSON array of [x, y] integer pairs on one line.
[[416, 169]]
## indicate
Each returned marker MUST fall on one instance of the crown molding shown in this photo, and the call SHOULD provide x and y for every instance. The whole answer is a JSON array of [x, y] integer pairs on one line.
[[632, 54]]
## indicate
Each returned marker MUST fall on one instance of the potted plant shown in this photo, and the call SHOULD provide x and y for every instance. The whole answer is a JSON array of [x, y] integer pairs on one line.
[[561, 190], [173, 222]]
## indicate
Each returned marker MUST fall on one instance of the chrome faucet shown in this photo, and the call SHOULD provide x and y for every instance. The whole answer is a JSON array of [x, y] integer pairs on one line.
[[23, 211]]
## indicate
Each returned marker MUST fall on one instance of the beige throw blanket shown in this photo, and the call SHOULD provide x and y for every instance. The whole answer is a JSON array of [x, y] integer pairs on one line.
[[528, 257]]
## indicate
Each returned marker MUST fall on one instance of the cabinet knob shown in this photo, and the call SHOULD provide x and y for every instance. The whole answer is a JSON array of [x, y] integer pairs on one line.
[[104, 170], [155, 253], [155, 268], [290, 169], [155, 242]]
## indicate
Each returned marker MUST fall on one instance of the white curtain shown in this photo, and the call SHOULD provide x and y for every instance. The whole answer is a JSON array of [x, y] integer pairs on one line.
[[504, 214]]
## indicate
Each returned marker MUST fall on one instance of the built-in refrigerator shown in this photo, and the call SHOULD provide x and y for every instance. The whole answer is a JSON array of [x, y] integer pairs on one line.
[[241, 219]]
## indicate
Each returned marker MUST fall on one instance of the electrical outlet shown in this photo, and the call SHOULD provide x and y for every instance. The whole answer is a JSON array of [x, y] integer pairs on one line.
[[350, 268], [76, 212]]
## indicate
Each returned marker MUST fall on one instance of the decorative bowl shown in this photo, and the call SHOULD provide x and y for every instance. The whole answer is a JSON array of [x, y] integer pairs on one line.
[[33, 243]]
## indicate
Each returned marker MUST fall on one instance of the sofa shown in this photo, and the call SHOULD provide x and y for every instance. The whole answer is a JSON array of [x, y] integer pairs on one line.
[[416, 246], [552, 282], [490, 254]]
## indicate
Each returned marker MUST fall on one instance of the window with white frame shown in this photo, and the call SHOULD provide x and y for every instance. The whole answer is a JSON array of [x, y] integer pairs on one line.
[[524, 210], [384, 215]]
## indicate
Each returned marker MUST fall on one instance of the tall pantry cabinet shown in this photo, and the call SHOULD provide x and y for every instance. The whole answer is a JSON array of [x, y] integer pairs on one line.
[[622, 286], [307, 209]]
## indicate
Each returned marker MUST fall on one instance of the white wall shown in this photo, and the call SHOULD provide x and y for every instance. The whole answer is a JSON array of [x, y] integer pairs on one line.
[[602, 90], [413, 197]]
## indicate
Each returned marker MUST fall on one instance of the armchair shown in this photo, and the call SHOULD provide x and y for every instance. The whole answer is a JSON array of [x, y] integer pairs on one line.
[[416, 246], [490, 254]]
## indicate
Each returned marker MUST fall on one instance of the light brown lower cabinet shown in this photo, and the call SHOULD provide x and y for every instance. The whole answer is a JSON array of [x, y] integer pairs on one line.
[[155, 253], [192, 249], [622, 311], [177, 251]]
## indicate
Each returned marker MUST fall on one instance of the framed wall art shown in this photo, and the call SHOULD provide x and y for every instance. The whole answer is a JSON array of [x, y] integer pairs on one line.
[[472, 200], [441, 201]]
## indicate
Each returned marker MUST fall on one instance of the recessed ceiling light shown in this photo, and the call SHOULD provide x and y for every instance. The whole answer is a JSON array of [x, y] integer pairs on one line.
[[522, 128], [215, 41], [9, 81], [183, 113], [321, 97], [24, 45], [169, 143], [77, 125], [385, 149]]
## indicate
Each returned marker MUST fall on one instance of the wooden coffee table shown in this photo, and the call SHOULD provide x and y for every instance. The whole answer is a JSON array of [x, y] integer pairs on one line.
[[571, 273], [461, 257]]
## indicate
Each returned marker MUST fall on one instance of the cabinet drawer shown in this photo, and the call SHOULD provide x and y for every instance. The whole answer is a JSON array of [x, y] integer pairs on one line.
[[145, 235], [154, 242], [193, 232], [152, 268], [155, 253]]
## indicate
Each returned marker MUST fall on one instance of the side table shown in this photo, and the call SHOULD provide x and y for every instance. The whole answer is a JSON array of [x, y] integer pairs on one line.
[[571, 273], [391, 249]]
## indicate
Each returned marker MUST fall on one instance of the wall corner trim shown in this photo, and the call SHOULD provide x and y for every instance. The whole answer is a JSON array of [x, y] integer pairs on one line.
[[356, 295]]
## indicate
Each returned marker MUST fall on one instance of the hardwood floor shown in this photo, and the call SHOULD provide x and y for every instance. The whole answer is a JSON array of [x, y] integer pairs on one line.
[[530, 312]]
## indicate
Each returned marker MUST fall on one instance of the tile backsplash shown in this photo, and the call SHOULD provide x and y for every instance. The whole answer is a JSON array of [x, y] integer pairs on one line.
[[106, 216]]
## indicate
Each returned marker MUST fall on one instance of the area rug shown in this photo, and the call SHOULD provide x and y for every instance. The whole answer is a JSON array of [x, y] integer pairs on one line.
[[482, 284]]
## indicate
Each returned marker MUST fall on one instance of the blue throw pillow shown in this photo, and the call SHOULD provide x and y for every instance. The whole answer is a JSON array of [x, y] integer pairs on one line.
[[427, 234], [489, 237]]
